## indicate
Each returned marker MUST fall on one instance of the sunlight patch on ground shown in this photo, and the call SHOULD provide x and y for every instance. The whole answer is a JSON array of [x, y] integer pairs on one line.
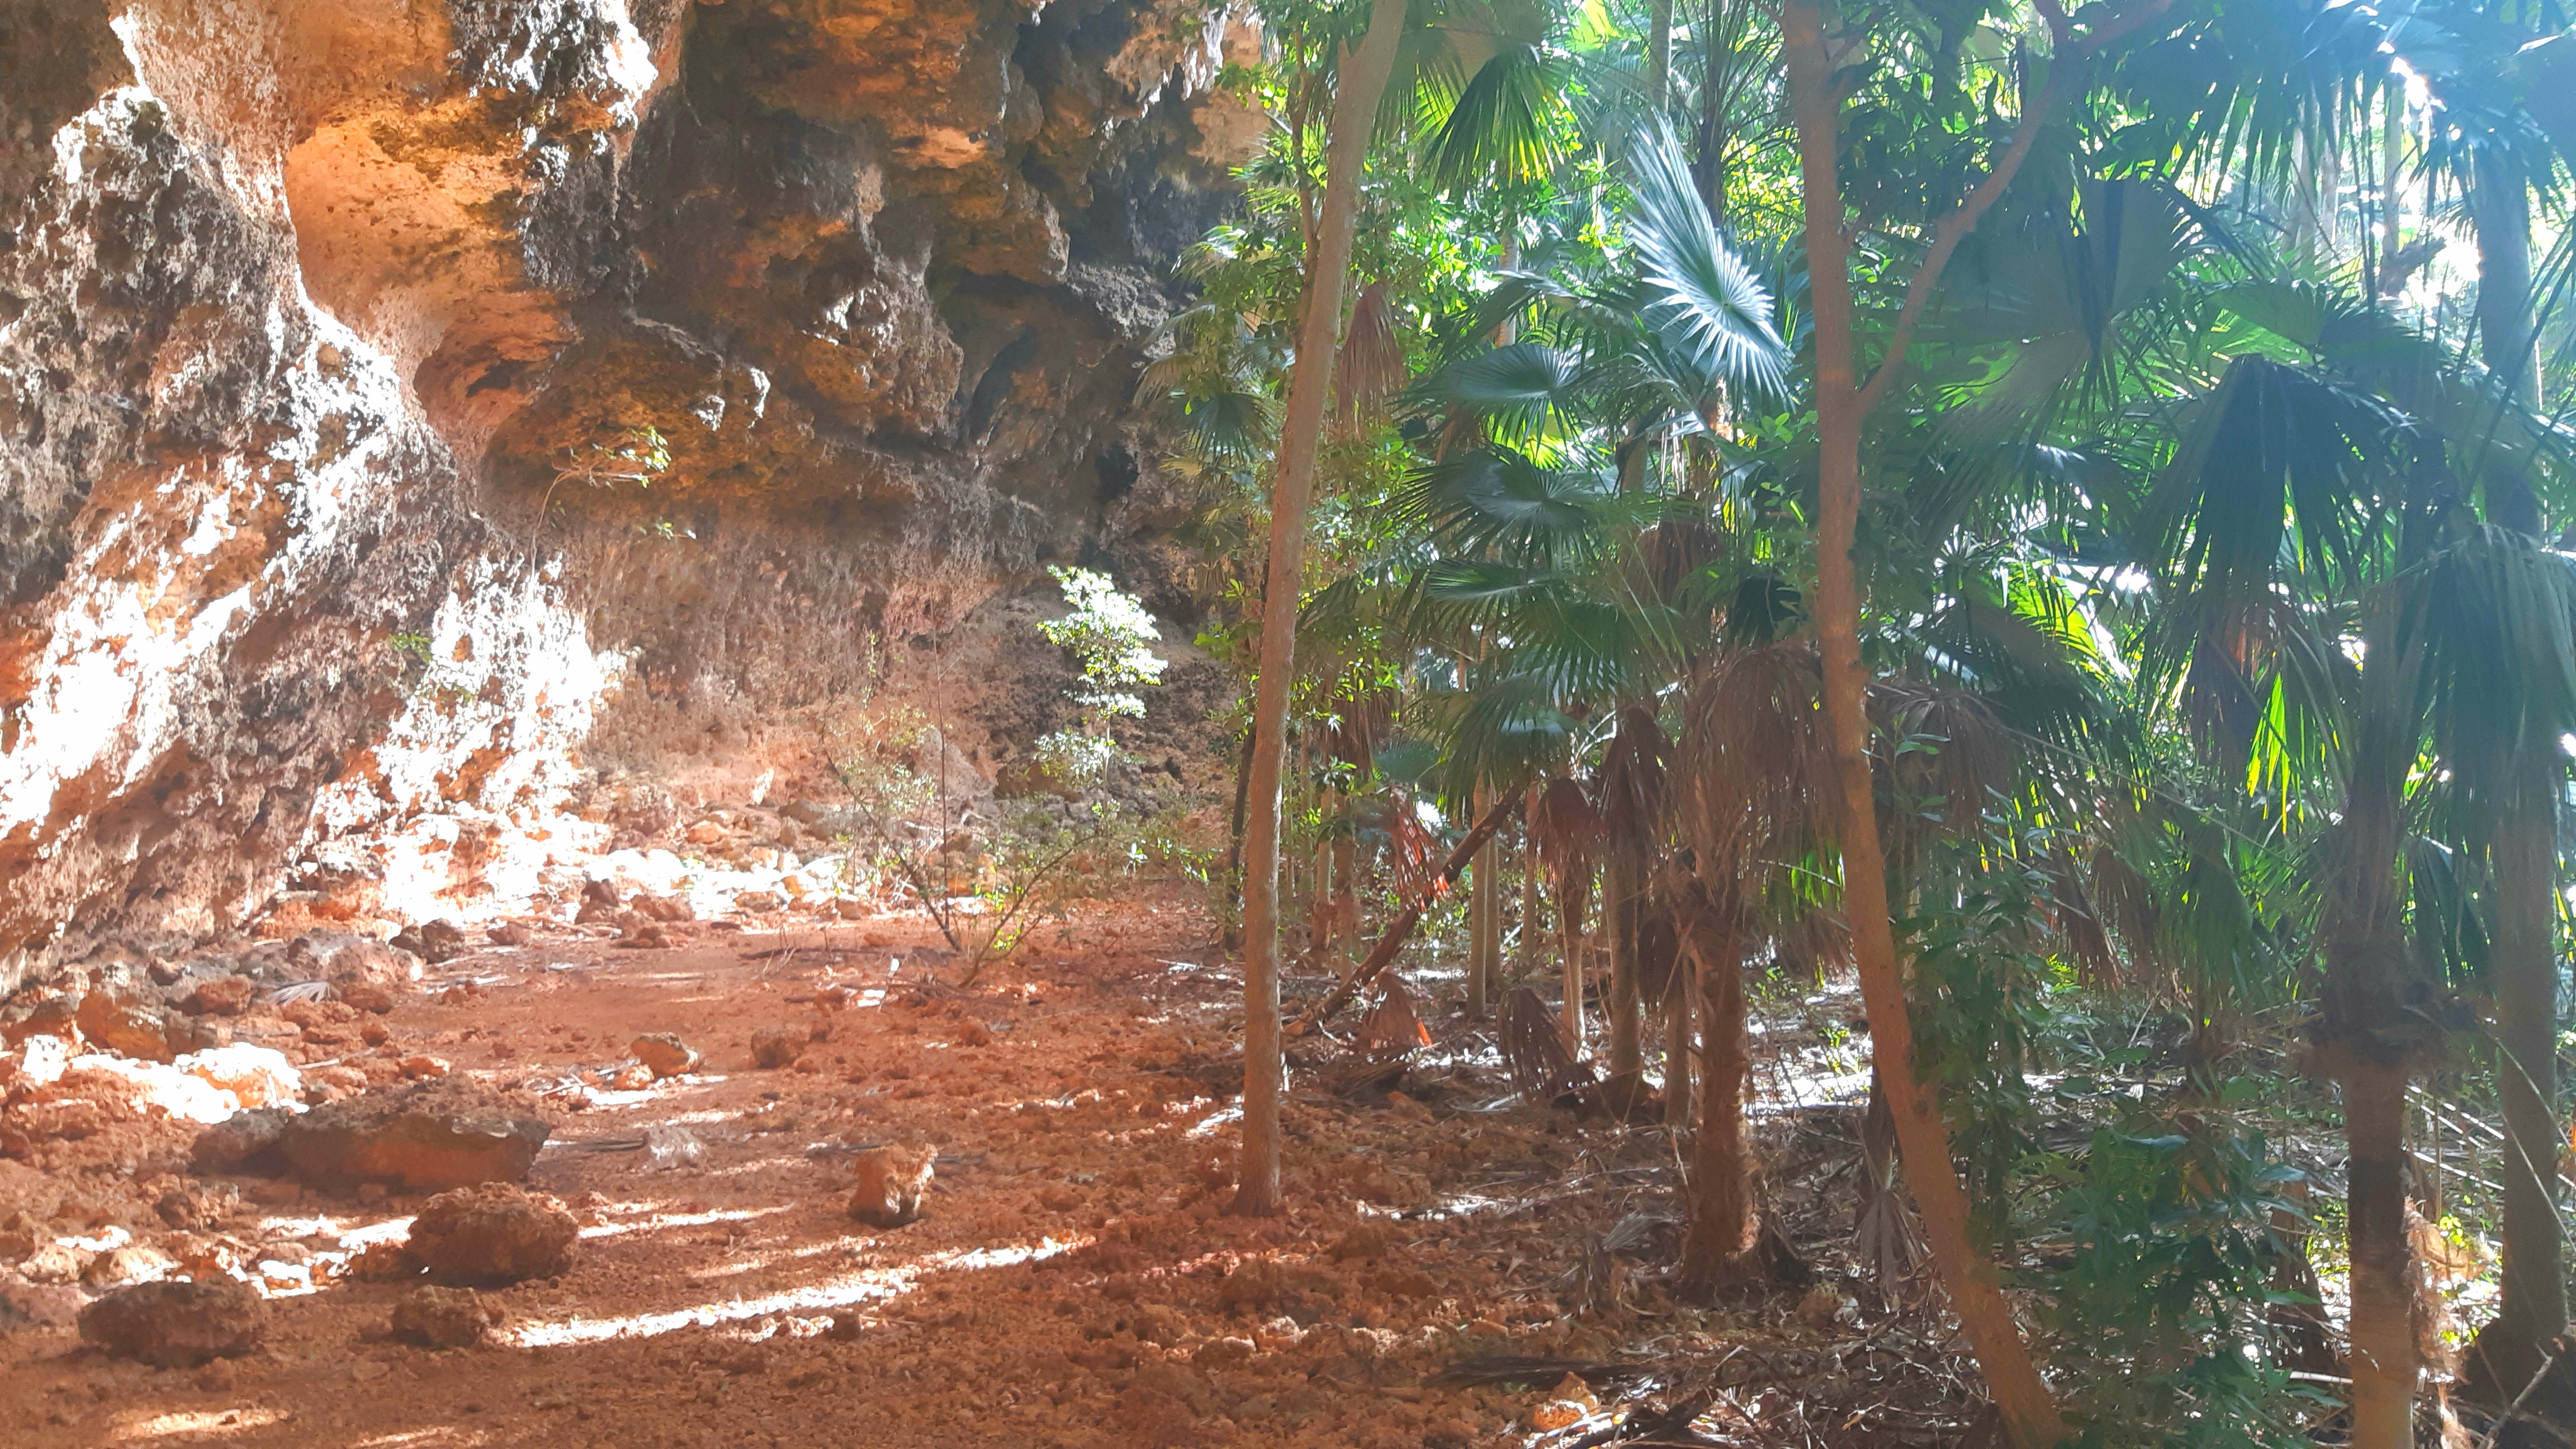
[[679, 1220], [214, 1423], [866, 1286]]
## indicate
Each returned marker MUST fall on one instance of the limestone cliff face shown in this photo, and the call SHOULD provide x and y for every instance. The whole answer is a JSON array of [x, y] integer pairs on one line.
[[307, 307]]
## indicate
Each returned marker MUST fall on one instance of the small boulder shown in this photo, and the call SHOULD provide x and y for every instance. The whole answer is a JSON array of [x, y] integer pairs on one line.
[[891, 1184], [494, 1233], [223, 996], [433, 941], [663, 1054], [244, 1144], [445, 1318], [25, 1304], [427, 1135], [778, 1046], [1364, 1243], [366, 996], [664, 908], [127, 1028], [177, 1325]]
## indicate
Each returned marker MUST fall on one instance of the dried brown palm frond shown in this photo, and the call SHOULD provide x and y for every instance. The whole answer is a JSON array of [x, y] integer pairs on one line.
[[1659, 949], [2088, 938], [1815, 942], [1371, 365], [1672, 551], [1631, 788], [1534, 1049], [1393, 1027], [2126, 904], [1360, 727], [1941, 755], [1565, 825], [1755, 765]]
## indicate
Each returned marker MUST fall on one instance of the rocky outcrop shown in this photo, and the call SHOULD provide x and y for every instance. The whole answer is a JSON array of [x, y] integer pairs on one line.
[[411, 410]]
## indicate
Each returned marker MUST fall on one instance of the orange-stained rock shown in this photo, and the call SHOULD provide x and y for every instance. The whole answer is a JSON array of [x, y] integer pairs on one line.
[[177, 1325], [491, 1234], [891, 1183], [437, 1133]]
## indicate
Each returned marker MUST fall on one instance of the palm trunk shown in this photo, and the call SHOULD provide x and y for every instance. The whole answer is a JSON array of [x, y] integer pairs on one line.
[[2500, 208], [1677, 1050], [2029, 1412], [1481, 918], [1569, 924], [1721, 1211], [2365, 996], [2382, 1328], [2532, 1308], [1526, 958], [1627, 1060], [1346, 884], [1364, 77]]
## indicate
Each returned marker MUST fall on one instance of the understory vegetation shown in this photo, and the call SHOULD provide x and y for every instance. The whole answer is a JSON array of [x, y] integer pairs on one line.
[[2053, 518]]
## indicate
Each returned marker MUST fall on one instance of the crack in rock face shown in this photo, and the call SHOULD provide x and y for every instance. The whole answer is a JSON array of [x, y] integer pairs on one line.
[[311, 309]]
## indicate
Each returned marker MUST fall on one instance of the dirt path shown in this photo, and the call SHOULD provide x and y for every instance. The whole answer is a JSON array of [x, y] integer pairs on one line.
[[1072, 1283]]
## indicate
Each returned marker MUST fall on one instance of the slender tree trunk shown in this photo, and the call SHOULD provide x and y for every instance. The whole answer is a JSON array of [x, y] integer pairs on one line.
[[1346, 879], [2029, 1412], [2382, 1327], [1526, 959], [1234, 844], [1363, 79], [2500, 208], [1480, 930], [1709, 165], [1678, 1020], [1627, 1059], [2392, 160], [1659, 55], [2366, 996], [1569, 925], [2532, 1308], [1721, 1212]]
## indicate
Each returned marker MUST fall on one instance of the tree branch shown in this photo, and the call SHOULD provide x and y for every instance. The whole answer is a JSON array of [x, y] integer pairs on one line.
[[2067, 52]]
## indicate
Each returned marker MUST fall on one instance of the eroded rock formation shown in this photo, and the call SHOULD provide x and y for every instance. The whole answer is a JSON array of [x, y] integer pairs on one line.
[[311, 309]]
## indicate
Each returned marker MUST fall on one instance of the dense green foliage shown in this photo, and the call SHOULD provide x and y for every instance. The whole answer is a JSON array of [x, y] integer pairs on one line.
[[2212, 508]]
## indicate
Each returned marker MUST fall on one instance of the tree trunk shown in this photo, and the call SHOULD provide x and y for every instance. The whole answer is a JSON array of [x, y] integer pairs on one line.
[[2029, 1412], [2500, 208], [1526, 959], [1659, 55], [1346, 880], [1234, 844], [1482, 917], [1678, 1018], [1709, 166], [1721, 1210], [2532, 1308], [1363, 79], [2382, 1327], [1619, 887], [1569, 926], [2366, 994]]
